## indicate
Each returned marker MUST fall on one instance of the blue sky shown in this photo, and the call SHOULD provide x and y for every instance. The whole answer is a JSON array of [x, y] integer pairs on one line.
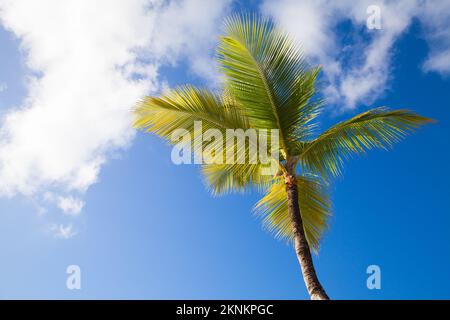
[[140, 227]]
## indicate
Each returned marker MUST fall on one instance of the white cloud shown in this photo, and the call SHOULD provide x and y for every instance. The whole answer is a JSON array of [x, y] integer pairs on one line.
[[367, 81], [77, 109], [3, 87], [436, 17], [309, 21], [181, 23], [63, 232], [70, 205], [90, 61], [359, 72]]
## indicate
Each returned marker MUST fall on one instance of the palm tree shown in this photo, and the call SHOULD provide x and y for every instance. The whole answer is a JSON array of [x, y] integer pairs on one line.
[[268, 85]]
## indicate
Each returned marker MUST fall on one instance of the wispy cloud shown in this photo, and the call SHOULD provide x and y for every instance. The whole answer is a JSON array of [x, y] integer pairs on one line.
[[70, 205], [358, 71], [436, 18], [63, 231]]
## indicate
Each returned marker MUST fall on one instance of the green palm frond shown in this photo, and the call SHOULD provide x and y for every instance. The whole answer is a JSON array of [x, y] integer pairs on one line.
[[303, 108], [266, 73], [226, 178], [249, 169], [376, 128], [181, 107], [315, 208]]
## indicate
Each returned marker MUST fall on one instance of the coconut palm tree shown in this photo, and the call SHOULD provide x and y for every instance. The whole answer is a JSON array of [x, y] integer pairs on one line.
[[268, 85]]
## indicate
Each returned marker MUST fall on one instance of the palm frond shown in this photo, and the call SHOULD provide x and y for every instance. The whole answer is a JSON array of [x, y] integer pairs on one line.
[[198, 111], [181, 107], [376, 128], [230, 178], [315, 208], [302, 108], [251, 161], [266, 73]]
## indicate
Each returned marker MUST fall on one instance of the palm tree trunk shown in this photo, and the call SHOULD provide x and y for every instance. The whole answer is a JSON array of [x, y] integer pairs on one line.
[[302, 249]]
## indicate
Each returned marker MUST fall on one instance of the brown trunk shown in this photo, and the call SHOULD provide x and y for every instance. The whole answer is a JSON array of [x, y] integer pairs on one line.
[[302, 250]]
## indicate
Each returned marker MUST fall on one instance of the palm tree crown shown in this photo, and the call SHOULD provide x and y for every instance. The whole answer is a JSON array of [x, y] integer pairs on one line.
[[268, 85]]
